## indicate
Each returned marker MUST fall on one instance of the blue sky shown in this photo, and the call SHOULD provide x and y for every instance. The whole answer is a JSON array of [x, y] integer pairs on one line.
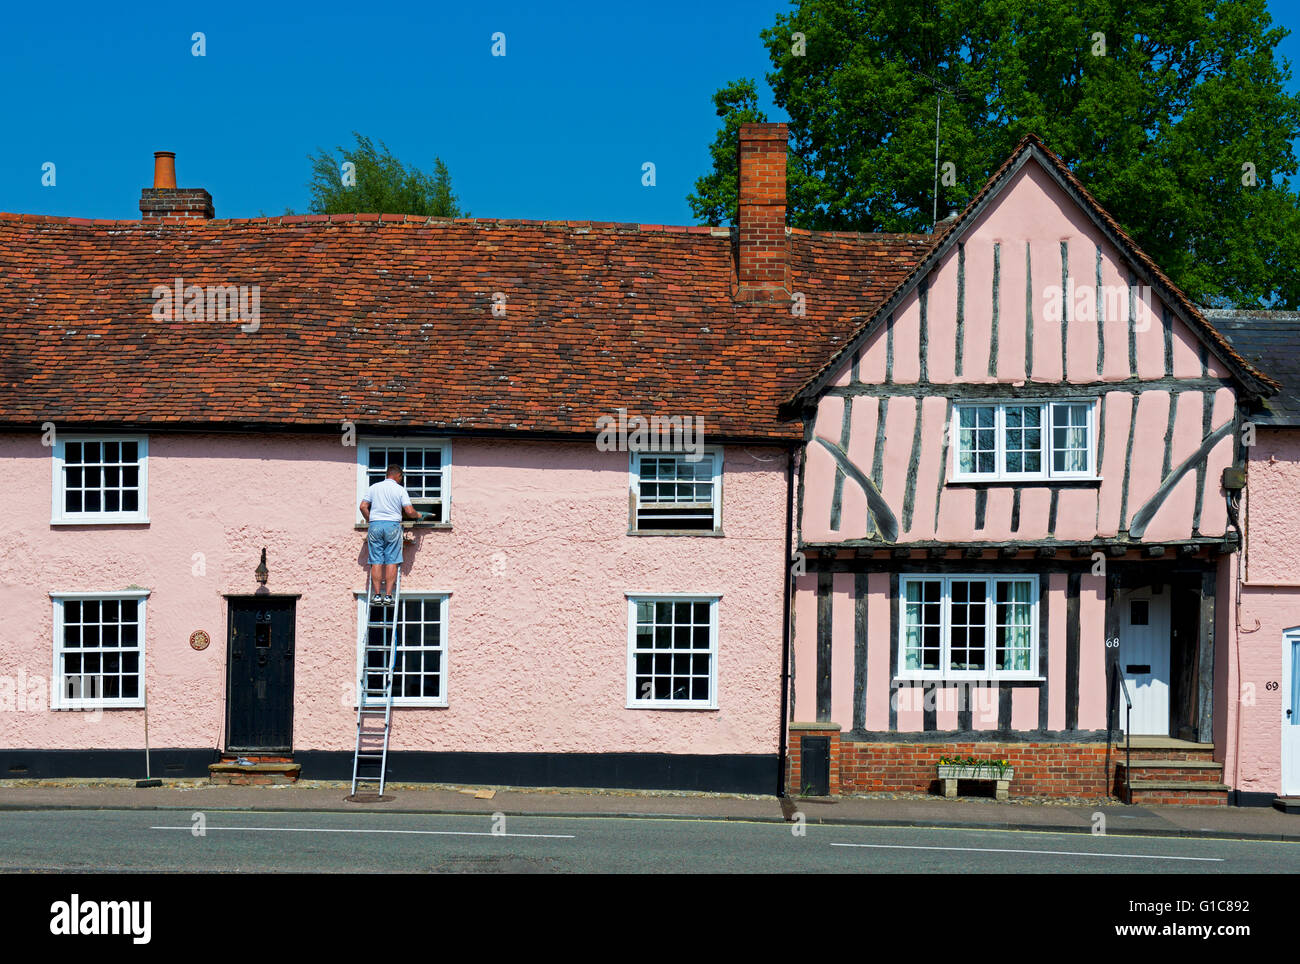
[[558, 128]]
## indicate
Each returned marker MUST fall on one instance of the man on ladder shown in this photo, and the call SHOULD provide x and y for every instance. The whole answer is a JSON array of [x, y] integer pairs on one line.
[[385, 505]]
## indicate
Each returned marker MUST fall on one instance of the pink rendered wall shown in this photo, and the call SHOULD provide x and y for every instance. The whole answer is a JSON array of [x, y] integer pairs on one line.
[[1032, 214], [537, 562], [803, 650], [1270, 605]]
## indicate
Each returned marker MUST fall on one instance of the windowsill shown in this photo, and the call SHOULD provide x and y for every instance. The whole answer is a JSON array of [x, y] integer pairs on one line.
[[407, 524], [706, 533], [90, 521], [669, 706], [970, 679], [421, 705], [99, 707]]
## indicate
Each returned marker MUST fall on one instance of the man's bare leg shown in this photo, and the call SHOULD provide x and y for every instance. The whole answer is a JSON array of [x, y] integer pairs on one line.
[[376, 579], [390, 578]]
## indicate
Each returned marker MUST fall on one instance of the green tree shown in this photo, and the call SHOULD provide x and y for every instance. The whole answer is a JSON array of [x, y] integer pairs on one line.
[[1156, 107], [382, 185]]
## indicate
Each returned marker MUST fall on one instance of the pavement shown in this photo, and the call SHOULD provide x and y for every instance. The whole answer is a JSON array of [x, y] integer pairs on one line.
[[882, 810]]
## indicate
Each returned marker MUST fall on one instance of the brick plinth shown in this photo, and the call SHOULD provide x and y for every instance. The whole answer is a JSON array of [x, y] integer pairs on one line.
[[794, 769], [1041, 769]]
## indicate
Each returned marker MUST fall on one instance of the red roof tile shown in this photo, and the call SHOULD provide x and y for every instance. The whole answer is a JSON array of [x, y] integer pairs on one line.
[[389, 322]]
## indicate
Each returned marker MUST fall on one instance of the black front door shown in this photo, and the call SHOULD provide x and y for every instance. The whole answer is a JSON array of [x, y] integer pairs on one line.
[[259, 696]]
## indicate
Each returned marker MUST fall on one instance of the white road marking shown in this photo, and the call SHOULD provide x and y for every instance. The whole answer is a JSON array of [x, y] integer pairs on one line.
[[433, 833], [1056, 853]]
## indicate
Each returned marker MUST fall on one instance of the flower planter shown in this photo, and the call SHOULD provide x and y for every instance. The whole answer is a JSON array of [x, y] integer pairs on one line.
[[950, 773]]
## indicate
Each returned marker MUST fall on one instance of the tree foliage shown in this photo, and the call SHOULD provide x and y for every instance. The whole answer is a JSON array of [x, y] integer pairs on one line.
[[1158, 109], [383, 184]]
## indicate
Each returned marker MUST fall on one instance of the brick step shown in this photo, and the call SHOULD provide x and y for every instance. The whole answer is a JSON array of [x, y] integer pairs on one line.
[[1178, 792], [1145, 754], [233, 773], [1189, 771]]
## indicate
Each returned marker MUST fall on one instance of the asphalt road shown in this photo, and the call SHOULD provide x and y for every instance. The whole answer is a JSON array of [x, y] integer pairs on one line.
[[165, 840]]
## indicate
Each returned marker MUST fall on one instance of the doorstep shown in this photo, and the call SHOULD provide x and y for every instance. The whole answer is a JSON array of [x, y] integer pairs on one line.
[[254, 772]]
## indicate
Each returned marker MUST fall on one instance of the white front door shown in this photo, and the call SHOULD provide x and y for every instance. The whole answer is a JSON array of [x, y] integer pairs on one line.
[[1144, 659], [1291, 712]]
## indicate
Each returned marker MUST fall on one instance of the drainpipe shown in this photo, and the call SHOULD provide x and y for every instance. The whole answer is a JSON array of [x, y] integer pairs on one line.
[[785, 620]]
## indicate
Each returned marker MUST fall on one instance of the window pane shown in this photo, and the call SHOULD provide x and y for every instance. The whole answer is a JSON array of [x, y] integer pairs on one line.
[[976, 441], [1023, 438], [680, 634], [922, 615], [967, 620], [1013, 620], [1071, 450]]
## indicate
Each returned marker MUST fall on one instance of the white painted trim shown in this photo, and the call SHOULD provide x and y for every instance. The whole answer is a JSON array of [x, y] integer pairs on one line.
[[117, 594], [713, 452], [403, 702], [990, 630], [999, 430], [676, 596], [1288, 767], [57, 699], [411, 592], [363, 453], [60, 518], [714, 652]]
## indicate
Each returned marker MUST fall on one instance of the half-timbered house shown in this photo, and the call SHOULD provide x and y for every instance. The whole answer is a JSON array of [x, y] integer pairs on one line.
[[1017, 514]]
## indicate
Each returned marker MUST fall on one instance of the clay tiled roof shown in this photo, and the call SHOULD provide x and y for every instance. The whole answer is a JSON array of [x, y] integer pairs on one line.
[[387, 321]]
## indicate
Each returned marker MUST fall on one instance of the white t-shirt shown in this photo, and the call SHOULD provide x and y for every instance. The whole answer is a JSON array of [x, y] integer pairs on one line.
[[386, 499]]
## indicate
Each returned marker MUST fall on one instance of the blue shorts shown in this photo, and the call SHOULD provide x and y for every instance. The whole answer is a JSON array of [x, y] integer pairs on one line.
[[385, 543]]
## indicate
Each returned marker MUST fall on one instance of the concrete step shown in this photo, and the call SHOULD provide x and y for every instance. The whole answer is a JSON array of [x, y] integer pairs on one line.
[[1287, 804]]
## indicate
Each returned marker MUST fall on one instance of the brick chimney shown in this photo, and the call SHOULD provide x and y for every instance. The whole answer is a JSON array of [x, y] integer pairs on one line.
[[166, 202], [764, 262]]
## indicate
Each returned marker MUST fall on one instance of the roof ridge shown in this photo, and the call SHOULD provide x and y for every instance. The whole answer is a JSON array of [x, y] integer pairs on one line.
[[421, 220]]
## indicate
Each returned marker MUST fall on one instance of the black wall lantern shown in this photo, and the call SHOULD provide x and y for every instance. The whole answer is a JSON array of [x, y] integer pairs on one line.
[[262, 573]]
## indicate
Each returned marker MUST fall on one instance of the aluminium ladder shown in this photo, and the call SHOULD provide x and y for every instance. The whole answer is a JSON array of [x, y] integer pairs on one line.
[[374, 720]]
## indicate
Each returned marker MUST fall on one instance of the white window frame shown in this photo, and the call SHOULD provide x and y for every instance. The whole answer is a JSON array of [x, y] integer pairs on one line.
[[709, 452], [363, 465], [60, 702], [633, 702], [945, 631], [60, 517], [1047, 423], [363, 606]]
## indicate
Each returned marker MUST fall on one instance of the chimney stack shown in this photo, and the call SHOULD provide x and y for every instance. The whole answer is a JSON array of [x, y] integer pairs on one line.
[[764, 263], [166, 202]]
